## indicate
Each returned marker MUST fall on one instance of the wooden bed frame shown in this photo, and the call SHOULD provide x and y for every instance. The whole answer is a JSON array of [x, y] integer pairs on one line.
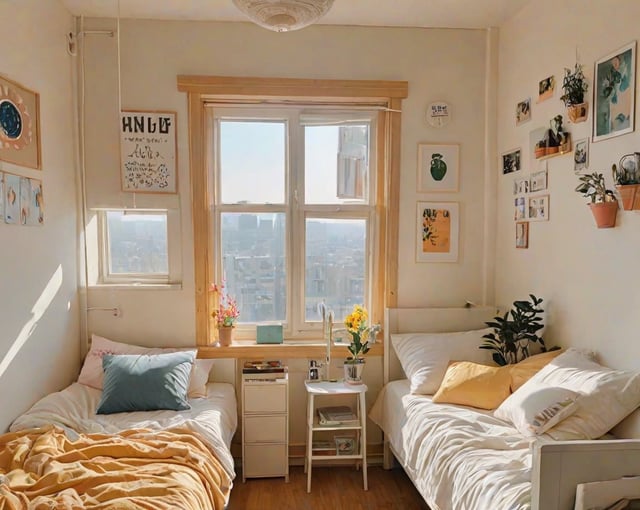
[[557, 467]]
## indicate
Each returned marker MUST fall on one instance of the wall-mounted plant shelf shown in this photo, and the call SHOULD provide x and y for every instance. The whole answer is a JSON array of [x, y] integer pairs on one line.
[[565, 148], [630, 194]]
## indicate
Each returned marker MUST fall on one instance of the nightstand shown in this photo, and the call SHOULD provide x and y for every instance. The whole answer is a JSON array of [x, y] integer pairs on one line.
[[265, 425], [323, 390]]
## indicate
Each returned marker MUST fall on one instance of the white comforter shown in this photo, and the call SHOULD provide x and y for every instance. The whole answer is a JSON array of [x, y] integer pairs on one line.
[[459, 458], [73, 409]]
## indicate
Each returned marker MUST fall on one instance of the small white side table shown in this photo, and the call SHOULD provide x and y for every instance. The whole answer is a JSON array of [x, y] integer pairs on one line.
[[329, 388]]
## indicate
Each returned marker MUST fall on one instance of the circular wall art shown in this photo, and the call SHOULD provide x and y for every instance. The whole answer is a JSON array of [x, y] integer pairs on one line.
[[19, 124], [438, 114]]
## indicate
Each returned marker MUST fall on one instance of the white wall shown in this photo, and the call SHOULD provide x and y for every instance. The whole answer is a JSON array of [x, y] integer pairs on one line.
[[444, 65], [586, 275], [39, 345]]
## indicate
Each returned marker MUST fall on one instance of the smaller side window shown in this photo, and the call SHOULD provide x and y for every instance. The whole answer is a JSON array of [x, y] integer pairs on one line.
[[134, 247]]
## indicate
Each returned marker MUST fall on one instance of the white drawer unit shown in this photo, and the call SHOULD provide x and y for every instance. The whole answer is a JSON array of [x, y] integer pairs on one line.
[[265, 425]]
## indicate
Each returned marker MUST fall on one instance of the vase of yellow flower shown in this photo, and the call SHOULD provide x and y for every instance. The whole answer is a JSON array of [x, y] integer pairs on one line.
[[356, 323], [225, 313]]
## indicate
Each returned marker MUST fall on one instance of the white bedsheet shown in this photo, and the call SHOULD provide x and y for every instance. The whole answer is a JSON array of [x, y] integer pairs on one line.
[[459, 458], [73, 409]]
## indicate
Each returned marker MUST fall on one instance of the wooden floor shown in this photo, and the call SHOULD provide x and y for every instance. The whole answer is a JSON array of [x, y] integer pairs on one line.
[[332, 488]]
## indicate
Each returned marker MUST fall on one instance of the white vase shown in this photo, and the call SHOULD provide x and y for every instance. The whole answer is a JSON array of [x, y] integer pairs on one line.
[[353, 371]]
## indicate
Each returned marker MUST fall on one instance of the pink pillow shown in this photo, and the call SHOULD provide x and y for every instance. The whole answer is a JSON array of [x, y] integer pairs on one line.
[[92, 373]]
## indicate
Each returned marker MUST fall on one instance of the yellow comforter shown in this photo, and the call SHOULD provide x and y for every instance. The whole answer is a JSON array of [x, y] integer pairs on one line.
[[136, 469]]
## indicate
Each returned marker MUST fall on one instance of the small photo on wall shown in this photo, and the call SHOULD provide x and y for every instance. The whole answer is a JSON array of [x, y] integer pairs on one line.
[[523, 111], [437, 168], [11, 198], [520, 211], [522, 234], [581, 155], [538, 181], [521, 186], [36, 205], [511, 161], [546, 88], [539, 208]]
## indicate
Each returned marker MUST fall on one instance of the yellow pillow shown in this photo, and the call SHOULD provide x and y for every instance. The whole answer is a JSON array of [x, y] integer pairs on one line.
[[475, 385], [527, 368]]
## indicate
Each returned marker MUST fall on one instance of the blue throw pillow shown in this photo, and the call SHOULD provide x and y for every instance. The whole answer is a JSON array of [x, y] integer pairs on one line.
[[143, 382]]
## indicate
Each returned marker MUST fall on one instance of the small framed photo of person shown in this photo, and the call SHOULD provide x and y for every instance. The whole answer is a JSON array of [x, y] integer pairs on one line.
[[511, 161], [522, 234], [523, 111], [546, 88]]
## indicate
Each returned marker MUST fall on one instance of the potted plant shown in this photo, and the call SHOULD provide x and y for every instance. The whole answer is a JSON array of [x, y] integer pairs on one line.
[[356, 324], [515, 331], [225, 313], [603, 203], [574, 86], [627, 179]]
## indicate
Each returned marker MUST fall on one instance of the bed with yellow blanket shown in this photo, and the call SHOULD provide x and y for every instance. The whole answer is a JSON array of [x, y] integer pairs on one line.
[[60, 454]]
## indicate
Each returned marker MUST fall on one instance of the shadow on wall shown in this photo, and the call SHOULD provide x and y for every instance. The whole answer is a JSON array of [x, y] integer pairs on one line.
[[39, 308]]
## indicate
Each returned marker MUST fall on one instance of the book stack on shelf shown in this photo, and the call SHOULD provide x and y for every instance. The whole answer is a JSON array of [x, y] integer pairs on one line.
[[336, 415]]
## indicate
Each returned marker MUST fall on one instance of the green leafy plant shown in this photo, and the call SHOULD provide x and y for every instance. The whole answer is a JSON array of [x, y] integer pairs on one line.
[[515, 331], [574, 86], [592, 187]]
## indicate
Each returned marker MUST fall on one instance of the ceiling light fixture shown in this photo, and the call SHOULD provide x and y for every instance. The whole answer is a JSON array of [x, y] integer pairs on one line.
[[284, 15]]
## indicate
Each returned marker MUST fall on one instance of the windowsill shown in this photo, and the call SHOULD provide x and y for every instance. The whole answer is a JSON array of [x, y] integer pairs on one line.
[[136, 286], [289, 349]]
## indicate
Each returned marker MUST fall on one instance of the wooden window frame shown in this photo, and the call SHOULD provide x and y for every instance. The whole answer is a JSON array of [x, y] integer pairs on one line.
[[202, 91]]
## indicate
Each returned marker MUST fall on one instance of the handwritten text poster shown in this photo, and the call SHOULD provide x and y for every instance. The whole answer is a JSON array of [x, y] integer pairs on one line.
[[148, 151]]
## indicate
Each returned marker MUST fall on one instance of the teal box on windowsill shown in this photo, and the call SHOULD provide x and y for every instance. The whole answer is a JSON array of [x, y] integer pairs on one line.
[[271, 334]]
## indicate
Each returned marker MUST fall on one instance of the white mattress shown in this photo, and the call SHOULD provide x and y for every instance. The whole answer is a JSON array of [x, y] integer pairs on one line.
[[73, 409], [458, 457]]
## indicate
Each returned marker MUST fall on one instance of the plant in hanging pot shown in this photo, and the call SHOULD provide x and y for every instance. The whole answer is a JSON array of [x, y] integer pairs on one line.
[[603, 203], [515, 331], [356, 324], [627, 179], [574, 87], [225, 313]]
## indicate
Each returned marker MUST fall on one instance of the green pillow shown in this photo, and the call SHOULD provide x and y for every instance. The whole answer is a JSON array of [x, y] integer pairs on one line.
[[144, 382]]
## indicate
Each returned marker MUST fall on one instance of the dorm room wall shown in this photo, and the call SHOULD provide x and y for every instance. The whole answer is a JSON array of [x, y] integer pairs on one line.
[[444, 65], [39, 346], [586, 275]]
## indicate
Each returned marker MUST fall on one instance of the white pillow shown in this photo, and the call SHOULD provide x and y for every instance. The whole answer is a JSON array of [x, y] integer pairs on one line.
[[606, 395], [425, 356], [534, 408], [92, 373]]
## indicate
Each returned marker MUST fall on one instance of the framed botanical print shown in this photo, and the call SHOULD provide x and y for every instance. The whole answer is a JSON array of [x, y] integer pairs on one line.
[[437, 231]]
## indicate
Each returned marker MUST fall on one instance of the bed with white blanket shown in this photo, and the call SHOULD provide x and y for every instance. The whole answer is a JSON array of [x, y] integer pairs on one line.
[[463, 458]]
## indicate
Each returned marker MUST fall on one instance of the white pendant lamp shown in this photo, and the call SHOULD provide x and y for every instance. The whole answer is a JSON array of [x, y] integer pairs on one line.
[[284, 15]]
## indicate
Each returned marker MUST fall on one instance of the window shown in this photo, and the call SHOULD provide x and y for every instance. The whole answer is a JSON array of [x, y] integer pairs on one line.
[[134, 246], [207, 95], [294, 212]]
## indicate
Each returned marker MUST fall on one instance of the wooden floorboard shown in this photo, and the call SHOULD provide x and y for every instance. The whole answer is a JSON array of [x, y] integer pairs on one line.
[[332, 488]]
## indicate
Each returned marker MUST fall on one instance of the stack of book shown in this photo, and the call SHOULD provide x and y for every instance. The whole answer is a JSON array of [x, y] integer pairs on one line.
[[336, 415]]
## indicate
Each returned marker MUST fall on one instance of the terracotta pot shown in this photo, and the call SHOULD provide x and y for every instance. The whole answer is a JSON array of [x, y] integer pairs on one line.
[[605, 213], [540, 151], [630, 194], [578, 112], [551, 150], [225, 335]]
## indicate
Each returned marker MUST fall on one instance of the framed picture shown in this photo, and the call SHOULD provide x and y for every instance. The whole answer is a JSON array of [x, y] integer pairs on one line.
[[345, 445], [539, 208], [522, 234], [523, 111], [511, 161], [546, 88], [437, 231], [519, 211], [614, 93], [581, 155], [437, 168], [148, 151], [538, 181], [20, 121], [11, 198], [521, 186]]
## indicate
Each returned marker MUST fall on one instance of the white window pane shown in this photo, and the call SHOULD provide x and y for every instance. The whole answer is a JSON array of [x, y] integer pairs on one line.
[[137, 243], [336, 163], [335, 266], [253, 264], [252, 162]]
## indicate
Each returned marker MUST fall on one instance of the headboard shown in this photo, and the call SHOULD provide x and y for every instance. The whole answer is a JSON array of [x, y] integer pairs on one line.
[[427, 320]]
